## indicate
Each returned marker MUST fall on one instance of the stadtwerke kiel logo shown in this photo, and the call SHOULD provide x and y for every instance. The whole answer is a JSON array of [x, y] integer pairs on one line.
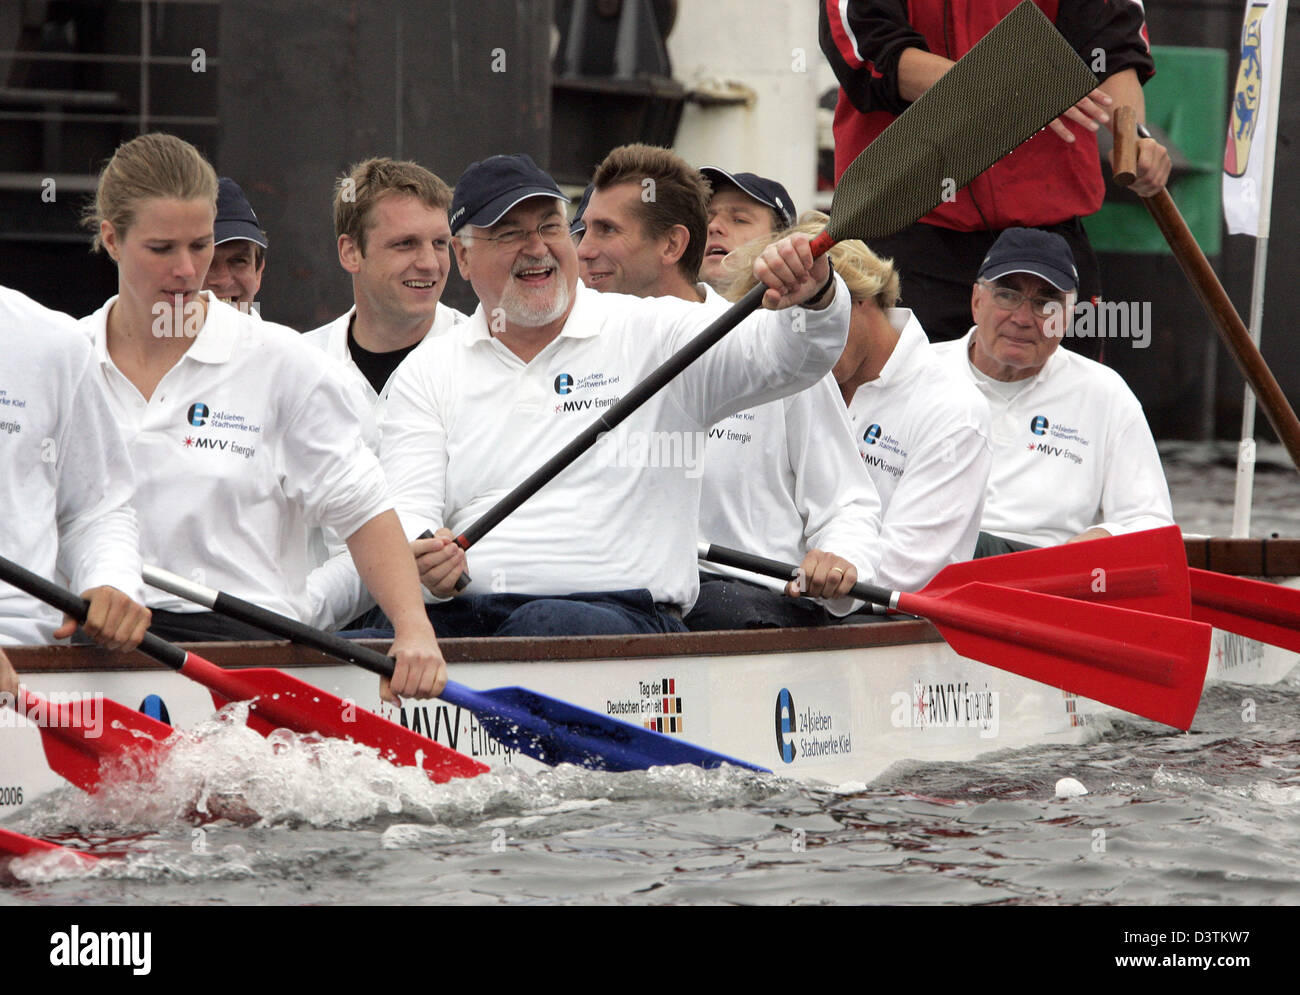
[[198, 414]]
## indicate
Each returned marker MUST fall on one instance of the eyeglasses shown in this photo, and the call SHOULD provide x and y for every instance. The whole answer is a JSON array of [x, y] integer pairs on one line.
[[1010, 300], [551, 231]]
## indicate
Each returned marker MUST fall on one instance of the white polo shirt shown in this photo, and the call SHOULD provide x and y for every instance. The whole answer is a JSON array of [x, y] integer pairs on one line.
[[784, 478], [1072, 451], [334, 588], [249, 440], [924, 437], [65, 477], [467, 420]]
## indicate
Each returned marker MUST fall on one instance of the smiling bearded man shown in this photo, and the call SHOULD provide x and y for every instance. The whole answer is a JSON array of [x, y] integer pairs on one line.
[[608, 546]]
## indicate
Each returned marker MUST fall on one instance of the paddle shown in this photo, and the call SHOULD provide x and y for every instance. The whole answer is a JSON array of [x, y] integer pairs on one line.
[[279, 701], [1143, 571], [546, 729], [1251, 608], [1016, 79], [1209, 291], [18, 845], [1150, 665], [78, 736]]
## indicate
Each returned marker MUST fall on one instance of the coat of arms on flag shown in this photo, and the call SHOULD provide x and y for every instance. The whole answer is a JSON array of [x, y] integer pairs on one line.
[[1245, 99]]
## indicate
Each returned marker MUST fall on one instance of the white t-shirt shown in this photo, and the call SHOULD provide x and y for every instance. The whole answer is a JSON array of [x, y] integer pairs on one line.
[[65, 477], [1072, 451], [923, 435], [467, 420], [249, 440]]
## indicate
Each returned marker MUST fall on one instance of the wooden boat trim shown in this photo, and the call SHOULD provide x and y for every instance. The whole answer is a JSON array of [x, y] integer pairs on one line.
[[1245, 557], [55, 659]]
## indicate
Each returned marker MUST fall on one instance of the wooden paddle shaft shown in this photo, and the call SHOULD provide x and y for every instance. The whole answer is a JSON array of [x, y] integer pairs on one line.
[[1125, 146], [1209, 291]]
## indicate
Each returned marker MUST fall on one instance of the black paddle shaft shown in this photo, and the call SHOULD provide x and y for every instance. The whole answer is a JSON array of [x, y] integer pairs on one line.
[[70, 604], [785, 571], [279, 625]]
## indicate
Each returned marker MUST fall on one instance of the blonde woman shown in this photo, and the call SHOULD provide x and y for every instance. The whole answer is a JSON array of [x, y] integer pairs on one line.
[[922, 432], [242, 437]]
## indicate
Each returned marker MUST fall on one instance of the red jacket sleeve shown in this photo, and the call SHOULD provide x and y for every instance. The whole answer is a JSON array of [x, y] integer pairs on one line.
[[863, 40]]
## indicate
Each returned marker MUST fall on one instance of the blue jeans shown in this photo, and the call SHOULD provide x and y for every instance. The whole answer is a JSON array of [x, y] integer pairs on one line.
[[598, 613], [730, 603]]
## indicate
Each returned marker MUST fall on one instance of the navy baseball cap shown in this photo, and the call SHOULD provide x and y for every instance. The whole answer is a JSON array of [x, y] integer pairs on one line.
[[235, 216], [767, 192], [1030, 250], [577, 226], [490, 187]]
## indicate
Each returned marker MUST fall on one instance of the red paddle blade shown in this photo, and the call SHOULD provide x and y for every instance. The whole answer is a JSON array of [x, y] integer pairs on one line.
[[1251, 608], [284, 702], [1142, 571], [18, 845], [78, 736], [1150, 665]]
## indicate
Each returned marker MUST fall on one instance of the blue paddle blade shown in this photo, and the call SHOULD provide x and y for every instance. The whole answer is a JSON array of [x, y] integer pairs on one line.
[[557, 732]]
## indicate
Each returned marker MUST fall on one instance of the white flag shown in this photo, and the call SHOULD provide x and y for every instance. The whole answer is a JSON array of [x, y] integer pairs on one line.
[[1252, 124]]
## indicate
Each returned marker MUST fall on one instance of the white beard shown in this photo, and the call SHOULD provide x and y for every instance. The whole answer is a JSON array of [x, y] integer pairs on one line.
[[524, 309]]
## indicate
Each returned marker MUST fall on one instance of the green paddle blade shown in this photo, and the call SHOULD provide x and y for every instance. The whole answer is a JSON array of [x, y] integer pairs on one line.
[[1016, 79]]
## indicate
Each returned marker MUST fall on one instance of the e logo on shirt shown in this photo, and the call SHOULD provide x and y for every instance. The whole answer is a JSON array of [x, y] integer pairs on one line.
[[1039, 425], [871, 435], [563, 384], [198, 415]]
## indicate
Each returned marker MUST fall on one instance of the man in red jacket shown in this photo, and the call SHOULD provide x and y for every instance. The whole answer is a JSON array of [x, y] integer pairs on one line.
[[886, 53]]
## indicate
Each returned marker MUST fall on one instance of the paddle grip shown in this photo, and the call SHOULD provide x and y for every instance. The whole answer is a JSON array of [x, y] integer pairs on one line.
[[785, 571], [70, 604], [463, 580], [1125, 145]]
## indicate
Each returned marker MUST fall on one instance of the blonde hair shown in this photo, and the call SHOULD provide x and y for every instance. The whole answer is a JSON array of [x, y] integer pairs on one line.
[[153, 165], [368, 182], [867, 275]]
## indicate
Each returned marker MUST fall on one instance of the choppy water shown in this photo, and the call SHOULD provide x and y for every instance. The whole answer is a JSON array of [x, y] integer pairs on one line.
[[1207, 818]]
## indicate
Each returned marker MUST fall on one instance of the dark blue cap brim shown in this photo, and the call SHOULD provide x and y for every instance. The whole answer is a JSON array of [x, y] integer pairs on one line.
[[1062, 281], [497, 208]]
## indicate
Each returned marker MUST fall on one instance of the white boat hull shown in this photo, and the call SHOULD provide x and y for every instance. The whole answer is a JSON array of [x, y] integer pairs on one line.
[[834, 715]]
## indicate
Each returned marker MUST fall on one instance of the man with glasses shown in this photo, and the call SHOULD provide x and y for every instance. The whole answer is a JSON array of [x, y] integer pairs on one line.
[[1073, 457], [609, 546]]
